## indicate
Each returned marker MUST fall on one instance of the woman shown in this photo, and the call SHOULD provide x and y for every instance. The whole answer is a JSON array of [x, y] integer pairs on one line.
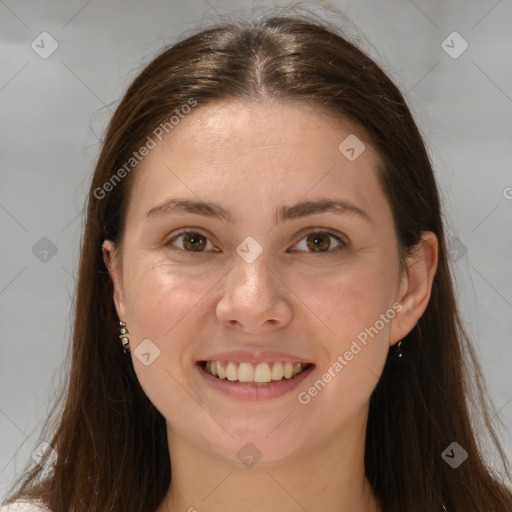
[[265, 317]]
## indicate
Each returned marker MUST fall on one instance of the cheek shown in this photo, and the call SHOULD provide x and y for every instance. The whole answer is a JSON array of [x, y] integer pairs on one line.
[[163, 307], [348, 301], [161, 300], [356, 341], [355, 309]]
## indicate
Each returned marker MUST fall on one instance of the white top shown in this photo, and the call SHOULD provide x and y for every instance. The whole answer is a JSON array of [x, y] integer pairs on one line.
[[19, 506]]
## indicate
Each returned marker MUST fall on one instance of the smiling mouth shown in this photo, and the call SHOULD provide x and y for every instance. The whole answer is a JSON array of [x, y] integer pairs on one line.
[[249, 373]]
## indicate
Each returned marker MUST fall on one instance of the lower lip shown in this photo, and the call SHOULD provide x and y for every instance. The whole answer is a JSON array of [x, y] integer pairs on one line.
[[247, 391]]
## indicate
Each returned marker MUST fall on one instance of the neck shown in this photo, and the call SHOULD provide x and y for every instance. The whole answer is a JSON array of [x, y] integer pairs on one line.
[[329, 477]]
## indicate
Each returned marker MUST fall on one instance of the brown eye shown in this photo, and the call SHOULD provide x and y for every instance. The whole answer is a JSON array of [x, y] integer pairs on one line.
[[194, 241], [320, 242], [190, 242]]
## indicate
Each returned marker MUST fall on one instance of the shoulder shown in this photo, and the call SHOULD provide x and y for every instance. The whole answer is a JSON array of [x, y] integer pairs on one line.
[[20, 506]]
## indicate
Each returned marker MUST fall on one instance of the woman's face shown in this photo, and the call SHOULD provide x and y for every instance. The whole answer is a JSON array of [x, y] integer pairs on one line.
[[252, 268]]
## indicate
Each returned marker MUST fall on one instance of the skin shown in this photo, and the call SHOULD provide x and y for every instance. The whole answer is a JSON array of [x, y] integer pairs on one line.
[[252, 158]]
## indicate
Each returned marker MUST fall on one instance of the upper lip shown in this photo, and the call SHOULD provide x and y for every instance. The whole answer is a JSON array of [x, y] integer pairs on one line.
[[240, 356]]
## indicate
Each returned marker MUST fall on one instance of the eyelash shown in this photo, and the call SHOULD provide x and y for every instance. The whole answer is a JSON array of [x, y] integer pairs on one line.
[[342, 243]]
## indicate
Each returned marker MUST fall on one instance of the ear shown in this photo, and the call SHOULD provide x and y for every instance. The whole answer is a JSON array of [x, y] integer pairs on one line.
[[112, 263], [415, 286]]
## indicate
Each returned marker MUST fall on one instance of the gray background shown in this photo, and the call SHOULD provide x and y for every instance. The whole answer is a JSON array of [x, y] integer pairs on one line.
[[53, 111]]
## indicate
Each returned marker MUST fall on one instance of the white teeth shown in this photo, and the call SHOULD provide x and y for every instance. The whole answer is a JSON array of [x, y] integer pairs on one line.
[[277, 371], [220, 370], [247, 372], [262, 373], [231, 371]]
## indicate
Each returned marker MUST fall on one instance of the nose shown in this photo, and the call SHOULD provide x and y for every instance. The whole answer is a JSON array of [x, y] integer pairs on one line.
[[254, 298]]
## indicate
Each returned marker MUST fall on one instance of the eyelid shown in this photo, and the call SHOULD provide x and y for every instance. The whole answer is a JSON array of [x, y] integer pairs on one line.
[[316, 229], [185, 231], [342, 239]]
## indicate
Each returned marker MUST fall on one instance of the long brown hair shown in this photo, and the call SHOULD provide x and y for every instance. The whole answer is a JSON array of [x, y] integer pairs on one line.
[[110, 441]]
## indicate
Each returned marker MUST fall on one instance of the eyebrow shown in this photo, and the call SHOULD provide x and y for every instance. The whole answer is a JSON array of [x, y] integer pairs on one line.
[[283, 213]]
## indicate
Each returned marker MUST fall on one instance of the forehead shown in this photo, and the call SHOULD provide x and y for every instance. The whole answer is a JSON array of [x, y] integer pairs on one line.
[[257, 154], [234, 127]]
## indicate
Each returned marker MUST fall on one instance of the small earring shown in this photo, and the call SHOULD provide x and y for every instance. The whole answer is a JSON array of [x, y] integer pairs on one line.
[[398, 351], [123, 331]]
